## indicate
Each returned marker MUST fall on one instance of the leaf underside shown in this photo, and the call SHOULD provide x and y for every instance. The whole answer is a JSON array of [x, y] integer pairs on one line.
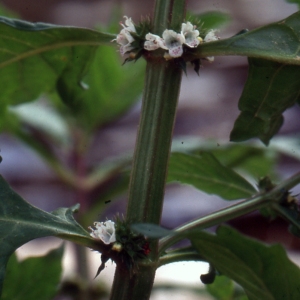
[[206, 173], [270, 89]]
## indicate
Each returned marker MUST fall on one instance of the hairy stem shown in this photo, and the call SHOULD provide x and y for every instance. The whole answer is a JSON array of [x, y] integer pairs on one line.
[[148, 176]]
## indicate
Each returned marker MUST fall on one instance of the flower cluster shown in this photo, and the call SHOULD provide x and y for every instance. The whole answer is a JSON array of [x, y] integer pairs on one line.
[[123, 245], [125, 38], [171, 41]]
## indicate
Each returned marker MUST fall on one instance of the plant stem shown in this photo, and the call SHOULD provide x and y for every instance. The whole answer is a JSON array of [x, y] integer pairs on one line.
[[146, 189], [162, 86], [148, 176], [77, 158], [213, 219], [231, 212], [133, 286]]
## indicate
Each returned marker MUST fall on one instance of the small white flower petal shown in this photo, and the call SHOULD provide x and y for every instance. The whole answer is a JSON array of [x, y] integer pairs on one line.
[[187, 27], [176, 51], [129, 37], [154, 42], [129, 24], [105, 231], [126, 48], [173, 42], [211, 36], [191, 35], [124, 38], [170, 36], [150, 46]]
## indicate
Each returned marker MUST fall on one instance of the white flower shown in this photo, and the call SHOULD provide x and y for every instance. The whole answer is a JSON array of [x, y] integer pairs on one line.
[[105, 231], [191, 34], [154, 42], [129, 26], [211, 36], [124, 38], [173, 42]]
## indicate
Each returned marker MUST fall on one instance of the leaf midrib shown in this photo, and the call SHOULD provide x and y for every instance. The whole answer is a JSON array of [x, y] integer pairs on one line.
[[46, 48], [45, 226]]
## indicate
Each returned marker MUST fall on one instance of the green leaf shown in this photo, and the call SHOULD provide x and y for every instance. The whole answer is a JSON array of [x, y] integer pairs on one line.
[[206, 173], [44, 273], [21, 222], [111, 88], [277, 41], [265, 272], [252, 158], [34, 55], [222, 288], [255, 160], [270, 89]]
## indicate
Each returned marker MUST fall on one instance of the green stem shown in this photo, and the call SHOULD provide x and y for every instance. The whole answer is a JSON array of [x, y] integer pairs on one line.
[[231, 212], [81, 196], [213, 219], [162, 86], [135, 286], [148, 176]]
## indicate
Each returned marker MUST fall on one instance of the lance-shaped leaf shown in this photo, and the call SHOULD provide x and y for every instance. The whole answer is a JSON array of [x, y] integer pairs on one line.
[[265, 272], [21, 222], [277, 41], [270, 89], [34, 55], [205, 172], [44, 273]]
